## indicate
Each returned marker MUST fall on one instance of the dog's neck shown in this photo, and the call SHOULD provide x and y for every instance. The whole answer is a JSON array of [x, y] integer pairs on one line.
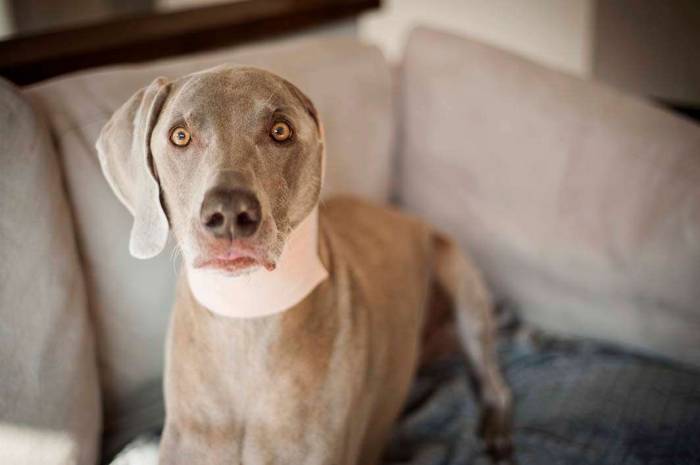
[[298, 271]]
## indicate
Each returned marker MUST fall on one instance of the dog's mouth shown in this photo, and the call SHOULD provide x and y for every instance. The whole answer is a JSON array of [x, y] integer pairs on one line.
[[236, 259]]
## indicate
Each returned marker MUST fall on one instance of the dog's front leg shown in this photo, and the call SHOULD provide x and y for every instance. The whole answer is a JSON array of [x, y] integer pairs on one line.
[[249, 447], [470, 300]]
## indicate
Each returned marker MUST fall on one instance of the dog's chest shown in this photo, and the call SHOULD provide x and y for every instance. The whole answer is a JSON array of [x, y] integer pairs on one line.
[[293, 380]]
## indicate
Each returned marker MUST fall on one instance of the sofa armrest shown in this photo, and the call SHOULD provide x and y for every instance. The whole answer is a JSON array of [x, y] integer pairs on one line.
[[49, 393]]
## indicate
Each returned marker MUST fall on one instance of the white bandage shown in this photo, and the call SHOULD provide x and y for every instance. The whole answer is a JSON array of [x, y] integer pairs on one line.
[[298, 271]]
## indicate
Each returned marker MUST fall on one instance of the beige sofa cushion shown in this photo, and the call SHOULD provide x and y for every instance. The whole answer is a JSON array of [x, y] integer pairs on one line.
[[581, 204], [350, 84], [49, 392]]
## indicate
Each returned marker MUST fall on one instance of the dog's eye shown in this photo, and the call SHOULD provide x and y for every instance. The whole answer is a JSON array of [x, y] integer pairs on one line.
[[180, 136], [280, 131]]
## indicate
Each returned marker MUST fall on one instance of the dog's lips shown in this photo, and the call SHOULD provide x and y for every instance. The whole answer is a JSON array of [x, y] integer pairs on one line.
[[235, 259], [228, 264]]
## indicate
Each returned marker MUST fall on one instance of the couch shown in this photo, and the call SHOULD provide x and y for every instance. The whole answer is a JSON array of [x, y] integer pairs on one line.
[[581, 205]]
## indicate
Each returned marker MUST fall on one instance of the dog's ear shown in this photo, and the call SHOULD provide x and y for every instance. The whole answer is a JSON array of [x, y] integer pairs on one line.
[[311, 110], [306, 102], [124, 150]]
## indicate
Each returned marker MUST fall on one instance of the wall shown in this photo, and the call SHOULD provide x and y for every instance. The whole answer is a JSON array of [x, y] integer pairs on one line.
[[649, 48], [553, 32]]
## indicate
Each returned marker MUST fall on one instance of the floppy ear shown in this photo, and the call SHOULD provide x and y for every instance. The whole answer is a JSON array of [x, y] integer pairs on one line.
[[306, 101], [311, 110], [125, 155]]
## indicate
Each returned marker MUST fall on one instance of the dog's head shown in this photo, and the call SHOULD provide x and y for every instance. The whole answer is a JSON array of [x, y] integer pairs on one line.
[[230, 158]]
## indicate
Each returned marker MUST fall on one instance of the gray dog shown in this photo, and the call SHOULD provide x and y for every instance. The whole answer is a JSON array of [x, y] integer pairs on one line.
[[231, 159]]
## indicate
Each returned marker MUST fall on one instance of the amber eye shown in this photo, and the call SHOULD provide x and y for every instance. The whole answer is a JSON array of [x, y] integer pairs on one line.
[[280, 131], [180, 136]]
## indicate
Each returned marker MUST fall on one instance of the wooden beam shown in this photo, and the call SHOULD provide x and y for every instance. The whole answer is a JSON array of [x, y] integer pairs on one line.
[[144, 37]]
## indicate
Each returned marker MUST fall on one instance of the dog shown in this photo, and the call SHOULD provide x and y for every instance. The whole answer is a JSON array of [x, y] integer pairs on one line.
[[231, 160]]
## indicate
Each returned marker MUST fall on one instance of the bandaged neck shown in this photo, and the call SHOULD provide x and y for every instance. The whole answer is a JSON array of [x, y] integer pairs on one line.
[[298, 271]]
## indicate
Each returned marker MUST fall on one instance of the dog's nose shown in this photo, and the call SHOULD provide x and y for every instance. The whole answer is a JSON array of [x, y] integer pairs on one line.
[[230, 213]]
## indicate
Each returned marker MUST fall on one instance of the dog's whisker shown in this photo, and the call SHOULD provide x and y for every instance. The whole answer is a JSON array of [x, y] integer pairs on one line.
[[175, 253]]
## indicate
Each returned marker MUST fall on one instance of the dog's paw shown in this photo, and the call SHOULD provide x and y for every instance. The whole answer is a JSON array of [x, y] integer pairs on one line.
[[142, 451], [496, 430]]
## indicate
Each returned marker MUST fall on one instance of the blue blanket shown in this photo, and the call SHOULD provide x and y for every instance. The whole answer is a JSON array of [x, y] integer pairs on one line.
[[576, 403]]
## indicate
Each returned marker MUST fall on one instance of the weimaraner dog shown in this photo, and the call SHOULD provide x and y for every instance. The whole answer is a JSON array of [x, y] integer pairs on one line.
[[231, 159]]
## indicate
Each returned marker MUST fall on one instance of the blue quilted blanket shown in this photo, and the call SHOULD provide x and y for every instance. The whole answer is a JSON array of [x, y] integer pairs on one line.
[[577, 403]]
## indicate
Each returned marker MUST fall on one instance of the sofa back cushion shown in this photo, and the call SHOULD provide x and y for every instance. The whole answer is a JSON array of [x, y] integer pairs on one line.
[[49, 392], [581, 204], [131, 299]]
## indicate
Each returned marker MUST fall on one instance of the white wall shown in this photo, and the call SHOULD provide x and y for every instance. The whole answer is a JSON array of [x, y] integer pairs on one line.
[[557, 33]]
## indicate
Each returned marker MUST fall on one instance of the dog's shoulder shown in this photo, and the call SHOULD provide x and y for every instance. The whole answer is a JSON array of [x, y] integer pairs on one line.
[[363, 225], [359, 214]]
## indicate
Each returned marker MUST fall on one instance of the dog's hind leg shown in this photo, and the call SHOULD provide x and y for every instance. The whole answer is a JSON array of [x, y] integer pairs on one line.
[[466, 292]]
